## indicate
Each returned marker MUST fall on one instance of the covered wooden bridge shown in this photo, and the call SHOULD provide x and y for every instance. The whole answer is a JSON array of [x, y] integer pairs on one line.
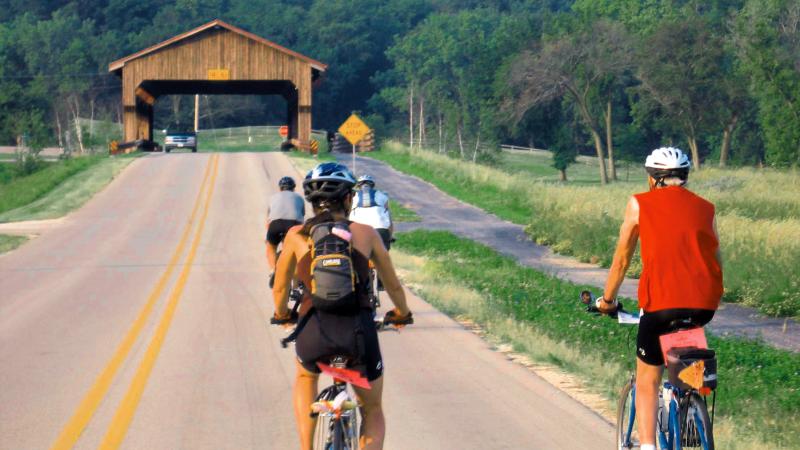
[[216, 58]]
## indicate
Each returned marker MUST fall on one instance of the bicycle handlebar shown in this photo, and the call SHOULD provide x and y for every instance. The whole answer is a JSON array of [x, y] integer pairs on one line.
[[588, 299]]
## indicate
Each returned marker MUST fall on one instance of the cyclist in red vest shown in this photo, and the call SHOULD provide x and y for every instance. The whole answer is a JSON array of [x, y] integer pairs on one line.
[[681, 270]]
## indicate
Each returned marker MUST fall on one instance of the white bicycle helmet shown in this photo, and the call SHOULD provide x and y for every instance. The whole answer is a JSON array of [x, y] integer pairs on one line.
[[667, 162], [365, 179]]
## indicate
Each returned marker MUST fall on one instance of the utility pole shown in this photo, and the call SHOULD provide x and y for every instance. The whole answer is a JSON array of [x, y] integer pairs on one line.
[[196, 112]]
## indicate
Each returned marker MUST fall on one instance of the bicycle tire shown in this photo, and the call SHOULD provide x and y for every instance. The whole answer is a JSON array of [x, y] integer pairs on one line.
[[626, 434], [697, 431], [322, 433], [338, 436], [344, 437], [351, 424]]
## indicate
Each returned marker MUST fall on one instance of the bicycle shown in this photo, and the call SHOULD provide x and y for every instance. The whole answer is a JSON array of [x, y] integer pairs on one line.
[[683, 421], [336, 407]]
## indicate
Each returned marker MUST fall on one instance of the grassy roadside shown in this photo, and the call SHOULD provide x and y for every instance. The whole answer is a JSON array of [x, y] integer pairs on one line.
[[540, 316], [23, 190], [402, 214], [59, 189], [8, 242], [758, 223]]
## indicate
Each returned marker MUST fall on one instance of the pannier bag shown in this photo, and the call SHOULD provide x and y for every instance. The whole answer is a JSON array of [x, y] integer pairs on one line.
[[333, 277], [692, 368]]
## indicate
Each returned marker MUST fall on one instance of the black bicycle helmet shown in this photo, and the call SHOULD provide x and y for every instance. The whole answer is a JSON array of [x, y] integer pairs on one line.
[[328, 181], [286, 184]]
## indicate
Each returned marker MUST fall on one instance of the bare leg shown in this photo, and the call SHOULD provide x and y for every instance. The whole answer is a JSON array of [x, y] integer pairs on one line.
[[271, 255], [374, 427], [305, 391], [648, 382]]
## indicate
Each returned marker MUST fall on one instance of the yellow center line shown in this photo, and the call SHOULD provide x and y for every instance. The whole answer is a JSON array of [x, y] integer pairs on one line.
[[88, 406], [127, 408]]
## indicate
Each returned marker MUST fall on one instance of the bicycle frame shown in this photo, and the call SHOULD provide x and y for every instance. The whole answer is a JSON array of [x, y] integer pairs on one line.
[[679, 404], [340, 429], [671, 439], [336, 404]]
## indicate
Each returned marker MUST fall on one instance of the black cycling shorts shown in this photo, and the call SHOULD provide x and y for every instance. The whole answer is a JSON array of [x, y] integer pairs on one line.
[[653, 325], [277, 230], [327, 335], [386, 237]]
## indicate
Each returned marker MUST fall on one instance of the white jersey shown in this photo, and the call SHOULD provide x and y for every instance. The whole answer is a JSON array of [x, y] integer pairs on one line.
[[371, 207]]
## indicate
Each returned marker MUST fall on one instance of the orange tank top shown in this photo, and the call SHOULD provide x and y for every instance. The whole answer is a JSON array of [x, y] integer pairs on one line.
[[678, 247]]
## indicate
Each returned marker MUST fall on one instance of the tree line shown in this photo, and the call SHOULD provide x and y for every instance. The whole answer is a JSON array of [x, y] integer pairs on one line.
[[616, 78], [613, 78]]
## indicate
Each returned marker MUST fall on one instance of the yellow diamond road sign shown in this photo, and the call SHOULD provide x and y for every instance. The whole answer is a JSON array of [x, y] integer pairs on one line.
[[354, 129]]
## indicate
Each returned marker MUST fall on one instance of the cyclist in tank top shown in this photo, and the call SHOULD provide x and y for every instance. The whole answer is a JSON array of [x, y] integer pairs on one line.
[[328, 187], [681, 270], [286, 209]]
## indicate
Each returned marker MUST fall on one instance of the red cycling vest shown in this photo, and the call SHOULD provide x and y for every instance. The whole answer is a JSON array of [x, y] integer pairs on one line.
[[678, 247]]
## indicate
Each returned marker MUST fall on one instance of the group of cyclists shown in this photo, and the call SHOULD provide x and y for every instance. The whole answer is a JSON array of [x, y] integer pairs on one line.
[[351, 226]]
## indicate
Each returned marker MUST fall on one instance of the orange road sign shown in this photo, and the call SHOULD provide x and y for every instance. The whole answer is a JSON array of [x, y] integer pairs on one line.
[[283, 131], [354, 129]]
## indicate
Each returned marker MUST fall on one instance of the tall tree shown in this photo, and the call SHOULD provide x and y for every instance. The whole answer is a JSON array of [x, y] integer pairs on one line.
[[577, 65], [679, 74], [768, 40]]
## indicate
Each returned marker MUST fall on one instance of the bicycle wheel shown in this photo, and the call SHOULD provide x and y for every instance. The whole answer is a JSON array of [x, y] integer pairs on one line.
[[696, 427], [627, 432], [323, 433]]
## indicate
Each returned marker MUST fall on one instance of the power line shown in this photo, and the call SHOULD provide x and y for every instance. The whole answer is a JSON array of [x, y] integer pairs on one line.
[[66, 75]]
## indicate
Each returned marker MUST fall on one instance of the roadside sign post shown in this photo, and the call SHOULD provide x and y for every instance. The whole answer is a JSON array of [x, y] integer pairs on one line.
[[354, 129]]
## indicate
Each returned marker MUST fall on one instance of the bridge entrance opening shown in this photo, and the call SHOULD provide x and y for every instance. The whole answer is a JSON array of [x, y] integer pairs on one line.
[[216, 59]]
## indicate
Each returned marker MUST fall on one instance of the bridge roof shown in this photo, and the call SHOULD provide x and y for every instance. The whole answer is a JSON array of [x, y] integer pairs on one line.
[[118, 64]]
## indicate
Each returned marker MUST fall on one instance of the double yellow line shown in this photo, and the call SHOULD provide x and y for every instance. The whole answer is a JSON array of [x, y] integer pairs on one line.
[[124, 414]]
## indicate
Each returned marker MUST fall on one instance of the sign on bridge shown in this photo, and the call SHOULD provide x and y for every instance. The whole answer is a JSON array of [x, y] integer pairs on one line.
[[219, 74]]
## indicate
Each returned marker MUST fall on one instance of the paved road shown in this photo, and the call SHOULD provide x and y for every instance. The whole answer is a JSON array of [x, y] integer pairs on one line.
[[441, 211], [84, 363]]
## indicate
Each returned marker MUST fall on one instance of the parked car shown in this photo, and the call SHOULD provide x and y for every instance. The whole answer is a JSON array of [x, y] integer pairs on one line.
[[182, 139]]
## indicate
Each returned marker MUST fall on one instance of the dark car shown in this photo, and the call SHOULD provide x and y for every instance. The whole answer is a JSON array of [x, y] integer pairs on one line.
[[182, 139]]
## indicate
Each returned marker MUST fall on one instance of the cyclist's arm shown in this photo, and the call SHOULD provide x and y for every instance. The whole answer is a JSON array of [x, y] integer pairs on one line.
[[719, 252], [284, 272], [391, 222], [626, 245], [385, 268]]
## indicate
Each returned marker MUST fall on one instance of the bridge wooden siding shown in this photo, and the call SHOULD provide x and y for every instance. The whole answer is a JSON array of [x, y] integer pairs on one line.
[[184, 64]]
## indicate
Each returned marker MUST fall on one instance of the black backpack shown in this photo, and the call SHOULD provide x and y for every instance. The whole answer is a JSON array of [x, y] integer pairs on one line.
[[333, 275]]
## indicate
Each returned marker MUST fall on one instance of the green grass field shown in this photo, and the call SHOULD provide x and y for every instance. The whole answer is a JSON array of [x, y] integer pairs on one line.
[[758, 214], [19, 191], [59, 188], [540, 316], [8, 243], [539, 164]]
